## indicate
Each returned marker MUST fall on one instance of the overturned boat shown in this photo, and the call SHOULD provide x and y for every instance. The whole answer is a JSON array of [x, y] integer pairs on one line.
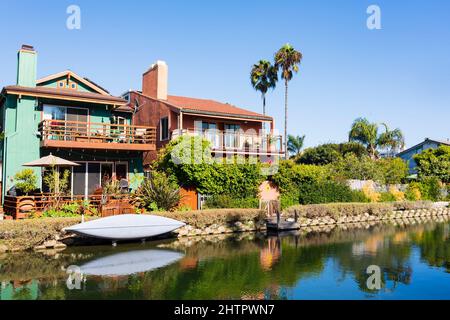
[[126, 227]]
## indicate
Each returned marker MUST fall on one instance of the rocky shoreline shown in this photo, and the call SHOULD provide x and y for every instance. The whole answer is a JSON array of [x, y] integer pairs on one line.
[[49, 236]]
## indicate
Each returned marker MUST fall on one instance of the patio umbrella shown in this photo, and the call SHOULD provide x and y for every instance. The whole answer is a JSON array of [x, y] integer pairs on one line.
[[52, 161], [49, 161]]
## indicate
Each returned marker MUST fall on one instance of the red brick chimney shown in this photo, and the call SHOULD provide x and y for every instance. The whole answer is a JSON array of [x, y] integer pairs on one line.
[[154, 81]]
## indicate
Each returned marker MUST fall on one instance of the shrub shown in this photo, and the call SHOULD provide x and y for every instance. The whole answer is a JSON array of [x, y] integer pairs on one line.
[[386, 197], [413, 192], [328, 192], [370, 193], [69, 210], [158, 192], [291, 175], [336, 210], [207, 175], [430, 188], [56, 182], [204, 218], [396, 194], [25, 181], [226, 201], [434, 163]]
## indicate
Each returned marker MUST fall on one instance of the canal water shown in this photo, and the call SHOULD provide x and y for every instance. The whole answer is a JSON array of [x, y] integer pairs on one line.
[[380, 262]]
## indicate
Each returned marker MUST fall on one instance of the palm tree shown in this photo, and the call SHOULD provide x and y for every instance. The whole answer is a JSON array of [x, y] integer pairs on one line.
[[366, 133], [288, 60], [263, 77], [392, 140], [295, 144]]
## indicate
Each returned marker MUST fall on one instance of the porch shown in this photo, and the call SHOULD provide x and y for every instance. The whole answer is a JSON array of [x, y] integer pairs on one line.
[[92, 135], [237, 141]]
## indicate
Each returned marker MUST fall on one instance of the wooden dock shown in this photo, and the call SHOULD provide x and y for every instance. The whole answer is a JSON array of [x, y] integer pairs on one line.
[[279, 224]]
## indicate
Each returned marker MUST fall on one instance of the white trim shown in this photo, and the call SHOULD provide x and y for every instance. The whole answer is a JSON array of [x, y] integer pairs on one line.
[[73, 75]]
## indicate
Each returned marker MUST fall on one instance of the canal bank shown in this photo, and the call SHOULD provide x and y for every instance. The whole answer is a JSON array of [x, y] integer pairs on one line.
[[47, 234]]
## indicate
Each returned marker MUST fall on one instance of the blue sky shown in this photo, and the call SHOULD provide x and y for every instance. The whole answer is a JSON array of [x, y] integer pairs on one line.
[[399, 74]]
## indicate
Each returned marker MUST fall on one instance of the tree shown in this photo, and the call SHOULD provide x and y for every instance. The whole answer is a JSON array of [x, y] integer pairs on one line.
[[295, 144], [367, 134], [434, 163], [263, 77], [288, 60], [320, 155], [26, 181], [392, 140]]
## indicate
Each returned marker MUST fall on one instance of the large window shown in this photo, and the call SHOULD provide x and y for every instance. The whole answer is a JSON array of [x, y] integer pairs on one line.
[[164, 127]]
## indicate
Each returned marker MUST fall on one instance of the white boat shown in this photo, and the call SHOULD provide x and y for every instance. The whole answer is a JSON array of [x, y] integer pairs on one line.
[[126, 227], [127, 263]]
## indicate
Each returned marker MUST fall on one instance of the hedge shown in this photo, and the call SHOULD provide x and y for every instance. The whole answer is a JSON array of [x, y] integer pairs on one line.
[[336, 210]]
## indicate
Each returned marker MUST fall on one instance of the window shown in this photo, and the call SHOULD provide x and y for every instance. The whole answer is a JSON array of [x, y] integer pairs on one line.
[[61, 84], [164, 128], [232, 135], [211, 133], [73, 85]]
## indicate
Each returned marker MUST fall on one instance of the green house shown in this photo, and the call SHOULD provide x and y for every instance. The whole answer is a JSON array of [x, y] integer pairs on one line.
[[74, 118]]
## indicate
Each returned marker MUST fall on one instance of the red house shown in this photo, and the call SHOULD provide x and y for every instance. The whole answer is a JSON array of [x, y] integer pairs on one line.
[[231, 130]]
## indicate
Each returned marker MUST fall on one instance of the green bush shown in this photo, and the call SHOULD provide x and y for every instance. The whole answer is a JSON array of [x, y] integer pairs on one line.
[[434, 163], [387, 197], [158, 192], [25, 181], [430, 188], [328, 192], [207, 175], [226, 202]]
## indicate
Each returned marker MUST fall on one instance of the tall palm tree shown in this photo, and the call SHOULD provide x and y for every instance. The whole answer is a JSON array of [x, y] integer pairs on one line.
[[288, 60], [295, 144], [366, 133], [263, 77]]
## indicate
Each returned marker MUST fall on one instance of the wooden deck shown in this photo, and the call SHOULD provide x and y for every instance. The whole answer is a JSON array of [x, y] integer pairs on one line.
[[23, 207], [102, 136]]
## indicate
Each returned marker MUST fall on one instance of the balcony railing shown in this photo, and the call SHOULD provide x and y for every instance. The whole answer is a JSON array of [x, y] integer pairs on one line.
[[91, 135], [237, 142]]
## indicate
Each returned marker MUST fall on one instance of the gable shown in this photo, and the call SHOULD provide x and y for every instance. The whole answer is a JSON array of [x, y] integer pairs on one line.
[[71, 81]]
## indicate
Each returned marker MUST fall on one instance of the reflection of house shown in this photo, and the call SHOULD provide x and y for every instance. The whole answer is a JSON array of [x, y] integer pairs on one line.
[[408, 154], [71, 117], [231, 130]]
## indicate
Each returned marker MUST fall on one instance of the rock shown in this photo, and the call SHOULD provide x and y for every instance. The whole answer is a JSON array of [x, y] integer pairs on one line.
[[3, 248], [50, 243], [59, 245], [39, 248]]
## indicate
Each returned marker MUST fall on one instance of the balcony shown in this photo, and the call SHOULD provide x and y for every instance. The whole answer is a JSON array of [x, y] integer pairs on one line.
[[238, 142], [90, 135]]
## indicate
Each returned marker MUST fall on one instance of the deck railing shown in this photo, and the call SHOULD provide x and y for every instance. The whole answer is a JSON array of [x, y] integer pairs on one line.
[[20, 207], [237, 141], [92, 132]]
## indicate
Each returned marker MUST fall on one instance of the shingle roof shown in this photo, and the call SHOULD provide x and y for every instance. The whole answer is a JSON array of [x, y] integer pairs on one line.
[[207, 106], [443, 142], [66, 93]]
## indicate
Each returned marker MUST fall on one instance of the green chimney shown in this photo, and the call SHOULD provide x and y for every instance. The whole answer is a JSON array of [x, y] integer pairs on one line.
[[26, 66]]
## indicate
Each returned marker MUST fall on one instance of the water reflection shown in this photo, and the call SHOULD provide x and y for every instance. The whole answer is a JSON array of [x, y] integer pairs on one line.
[[130, 262], [414, 262]]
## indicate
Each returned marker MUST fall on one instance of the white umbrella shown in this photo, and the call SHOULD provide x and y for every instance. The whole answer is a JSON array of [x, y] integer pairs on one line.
[[49, 161]]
